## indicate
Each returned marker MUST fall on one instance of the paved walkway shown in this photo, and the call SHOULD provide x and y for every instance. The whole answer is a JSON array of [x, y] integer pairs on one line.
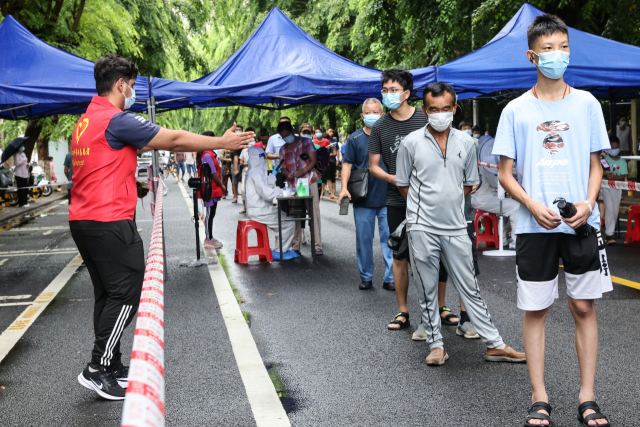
[[325, 342]]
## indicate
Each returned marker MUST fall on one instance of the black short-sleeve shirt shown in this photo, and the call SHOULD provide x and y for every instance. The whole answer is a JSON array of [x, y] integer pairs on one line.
[[386, 136]]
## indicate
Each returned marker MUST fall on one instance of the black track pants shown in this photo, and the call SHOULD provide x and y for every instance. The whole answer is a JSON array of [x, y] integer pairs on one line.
[[114, 255]]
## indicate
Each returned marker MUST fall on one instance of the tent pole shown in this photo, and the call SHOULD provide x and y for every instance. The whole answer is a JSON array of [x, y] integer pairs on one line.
[[633, 165], [476, 120], [612, 113]]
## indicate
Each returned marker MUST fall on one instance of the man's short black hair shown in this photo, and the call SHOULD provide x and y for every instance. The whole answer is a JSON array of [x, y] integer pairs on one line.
[[476, 129], [403, 77], [614, 139], [285, 118], [437, 90], [251, 129], [208, 133], [285, 126], [545, 25], [111, 68], [239, 126], [463, 124], [263, 132]]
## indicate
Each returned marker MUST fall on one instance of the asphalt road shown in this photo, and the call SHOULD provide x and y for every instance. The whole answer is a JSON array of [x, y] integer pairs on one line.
[[326, 340]]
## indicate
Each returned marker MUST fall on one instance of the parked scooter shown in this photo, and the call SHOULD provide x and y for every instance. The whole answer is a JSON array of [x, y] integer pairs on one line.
[[38, 178]]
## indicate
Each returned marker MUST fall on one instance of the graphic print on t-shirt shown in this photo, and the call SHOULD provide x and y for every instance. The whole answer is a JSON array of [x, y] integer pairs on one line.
[[552, 141]]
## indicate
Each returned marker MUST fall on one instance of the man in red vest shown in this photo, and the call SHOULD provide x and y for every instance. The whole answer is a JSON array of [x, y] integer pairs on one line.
[[105, 144]]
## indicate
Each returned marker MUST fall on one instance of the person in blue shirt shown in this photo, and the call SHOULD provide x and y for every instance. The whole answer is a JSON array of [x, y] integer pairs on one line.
[[555, 133], [356, 156]]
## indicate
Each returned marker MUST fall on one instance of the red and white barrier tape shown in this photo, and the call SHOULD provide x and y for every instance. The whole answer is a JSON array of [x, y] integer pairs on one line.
[[55, 184], [489, 165], [621, 185], [144, 402]]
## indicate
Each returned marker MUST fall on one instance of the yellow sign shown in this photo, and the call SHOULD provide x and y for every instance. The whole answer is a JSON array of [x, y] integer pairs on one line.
[[80, 128]]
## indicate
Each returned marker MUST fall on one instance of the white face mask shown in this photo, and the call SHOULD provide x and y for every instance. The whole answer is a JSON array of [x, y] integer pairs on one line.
[[440, 121]]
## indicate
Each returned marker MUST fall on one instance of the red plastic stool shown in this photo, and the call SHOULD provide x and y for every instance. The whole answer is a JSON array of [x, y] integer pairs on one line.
[[633, 232], [490, 235], [243, 250]]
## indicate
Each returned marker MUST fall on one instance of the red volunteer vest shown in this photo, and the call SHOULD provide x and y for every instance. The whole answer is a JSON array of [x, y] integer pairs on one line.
[[216, 190], [104, 179]]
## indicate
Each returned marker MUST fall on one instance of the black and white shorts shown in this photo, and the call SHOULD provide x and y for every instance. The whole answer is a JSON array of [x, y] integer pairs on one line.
[[537, 264]]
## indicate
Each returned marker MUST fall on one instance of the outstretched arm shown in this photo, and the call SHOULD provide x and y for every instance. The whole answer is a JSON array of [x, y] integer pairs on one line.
[[181, 140]]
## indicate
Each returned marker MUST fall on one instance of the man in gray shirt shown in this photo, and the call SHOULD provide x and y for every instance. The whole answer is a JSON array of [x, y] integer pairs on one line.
[[436, 168]]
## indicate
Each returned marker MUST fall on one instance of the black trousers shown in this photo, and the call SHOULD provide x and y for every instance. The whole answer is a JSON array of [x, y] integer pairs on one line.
[[22, 194], [208, 222], [114, 255]]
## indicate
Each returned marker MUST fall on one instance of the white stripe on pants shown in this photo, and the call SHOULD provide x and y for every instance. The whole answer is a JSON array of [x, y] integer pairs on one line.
[[611, 198], [426, 251]]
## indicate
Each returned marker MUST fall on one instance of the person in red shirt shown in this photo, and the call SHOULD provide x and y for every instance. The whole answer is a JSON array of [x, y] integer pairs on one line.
[[299, 156], [319, 138], [105, 144]]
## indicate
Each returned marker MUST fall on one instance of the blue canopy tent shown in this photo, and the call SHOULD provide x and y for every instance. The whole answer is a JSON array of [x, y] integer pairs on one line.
[[39, 80], [604, 67], [294, 69]]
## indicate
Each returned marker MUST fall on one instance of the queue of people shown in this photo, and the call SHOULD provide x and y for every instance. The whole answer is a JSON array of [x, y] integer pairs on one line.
[[422, 176]]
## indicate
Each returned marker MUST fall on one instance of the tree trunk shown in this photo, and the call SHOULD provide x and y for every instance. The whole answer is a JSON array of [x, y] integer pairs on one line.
[[32, 132], [332, 119]]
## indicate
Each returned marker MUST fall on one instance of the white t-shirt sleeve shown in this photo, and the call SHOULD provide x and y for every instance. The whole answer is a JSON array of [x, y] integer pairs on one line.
[[505, 141], [404, 164], [599, 138]]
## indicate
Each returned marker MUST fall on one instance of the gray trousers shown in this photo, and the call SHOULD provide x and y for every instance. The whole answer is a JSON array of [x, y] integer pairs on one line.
[[426, 250]]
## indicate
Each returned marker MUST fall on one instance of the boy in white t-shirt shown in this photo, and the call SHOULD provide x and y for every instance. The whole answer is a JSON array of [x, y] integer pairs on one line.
[[555, 133]]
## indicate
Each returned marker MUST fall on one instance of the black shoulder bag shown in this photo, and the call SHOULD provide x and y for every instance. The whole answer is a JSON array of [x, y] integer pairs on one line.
[[358, 185]]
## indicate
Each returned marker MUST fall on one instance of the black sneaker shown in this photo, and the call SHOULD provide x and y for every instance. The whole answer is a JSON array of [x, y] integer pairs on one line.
[[120, 373], [102, 382]]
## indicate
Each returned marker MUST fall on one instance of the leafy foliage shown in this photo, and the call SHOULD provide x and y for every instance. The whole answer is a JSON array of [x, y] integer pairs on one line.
[[185, 39]]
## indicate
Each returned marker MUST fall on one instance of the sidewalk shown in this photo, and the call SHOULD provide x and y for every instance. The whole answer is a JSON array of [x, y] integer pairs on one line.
[[9, 213]]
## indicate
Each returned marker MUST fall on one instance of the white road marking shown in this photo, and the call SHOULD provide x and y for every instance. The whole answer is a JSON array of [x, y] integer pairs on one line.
[[15, 303], [53, 227], [4, 260], [16, 330], [64, 202], [3, 298], [61, 251], [263, 398], [47, 232]]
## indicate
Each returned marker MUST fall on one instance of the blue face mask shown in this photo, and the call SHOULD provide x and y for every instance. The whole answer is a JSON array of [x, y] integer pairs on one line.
[[289, 139], [318, 135], [238, 131], [614, 152], [468, 132], [128, 102], [392, 100], [553, 64], [370, 119], [22, 149], [306, 135], [476, 135]]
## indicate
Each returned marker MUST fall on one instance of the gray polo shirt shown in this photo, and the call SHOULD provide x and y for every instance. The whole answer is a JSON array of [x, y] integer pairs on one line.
[[435, 202]]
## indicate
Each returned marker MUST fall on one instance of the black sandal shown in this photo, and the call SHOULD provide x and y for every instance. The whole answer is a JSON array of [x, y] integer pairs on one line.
[[445, 320], [595, 416], [402, 324], [535, 415]]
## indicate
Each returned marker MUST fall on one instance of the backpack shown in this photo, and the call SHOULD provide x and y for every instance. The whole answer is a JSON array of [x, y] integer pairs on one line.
[[323, 160]]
